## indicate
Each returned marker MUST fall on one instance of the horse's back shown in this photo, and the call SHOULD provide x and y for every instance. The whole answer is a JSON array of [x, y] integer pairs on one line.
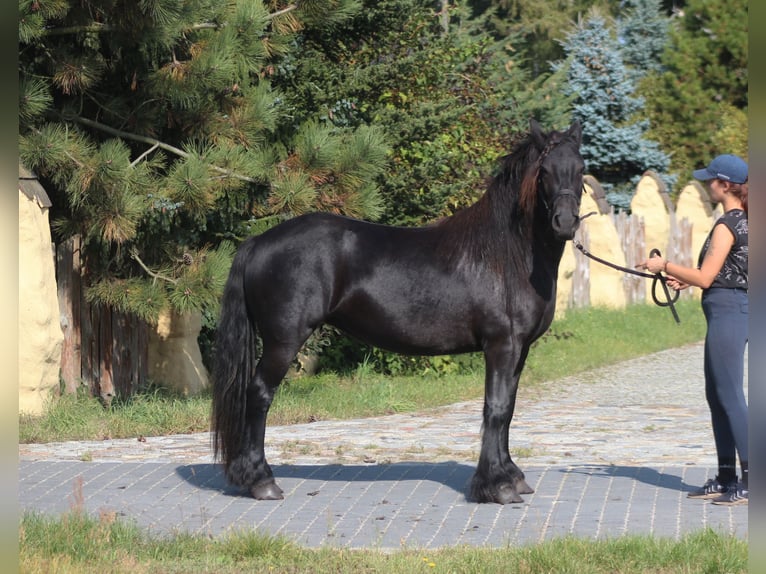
[[338, 243], [317, 253]]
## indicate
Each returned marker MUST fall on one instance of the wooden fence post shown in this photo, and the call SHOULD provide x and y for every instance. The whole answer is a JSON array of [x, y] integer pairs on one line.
[[104, 356], [129, 353], [69, 288], [631, 232], [581, 276]]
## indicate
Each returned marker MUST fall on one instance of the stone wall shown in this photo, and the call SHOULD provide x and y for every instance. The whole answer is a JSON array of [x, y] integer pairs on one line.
[[652, 204]]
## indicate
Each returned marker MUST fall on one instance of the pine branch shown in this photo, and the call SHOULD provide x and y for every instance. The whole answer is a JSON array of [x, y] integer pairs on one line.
[[143, 155], [94, 27], [213, 25], [283, 11], [74, 160], [101, 28], [153, 142], [134, 255]]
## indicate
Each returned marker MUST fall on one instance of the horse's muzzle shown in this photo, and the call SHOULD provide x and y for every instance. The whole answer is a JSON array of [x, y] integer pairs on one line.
[[564, 227], [565, 216]]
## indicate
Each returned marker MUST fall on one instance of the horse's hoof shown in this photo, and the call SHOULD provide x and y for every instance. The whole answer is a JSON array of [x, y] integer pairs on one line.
[[507, 494], [267, 490], [522, 487]]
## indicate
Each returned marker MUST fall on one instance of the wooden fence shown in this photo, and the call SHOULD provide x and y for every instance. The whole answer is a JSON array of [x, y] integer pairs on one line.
[[632, 238], [666, 229], [103, 349]]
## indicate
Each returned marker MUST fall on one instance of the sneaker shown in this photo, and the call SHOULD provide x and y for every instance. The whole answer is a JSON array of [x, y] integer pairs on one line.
[[734, 496], [711, 489]]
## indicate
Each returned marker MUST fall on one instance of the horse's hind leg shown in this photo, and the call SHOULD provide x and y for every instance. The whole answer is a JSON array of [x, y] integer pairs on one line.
[[250, 469]]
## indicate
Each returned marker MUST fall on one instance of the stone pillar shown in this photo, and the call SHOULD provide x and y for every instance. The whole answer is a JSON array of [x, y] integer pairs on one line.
[[652, 204], [175, 360], [40, 334], [606, 284]]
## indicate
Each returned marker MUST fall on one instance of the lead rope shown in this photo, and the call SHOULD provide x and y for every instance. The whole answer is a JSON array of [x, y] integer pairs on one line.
[[656, 278]]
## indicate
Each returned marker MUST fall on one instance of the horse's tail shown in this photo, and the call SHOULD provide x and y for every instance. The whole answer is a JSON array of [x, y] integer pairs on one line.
[[235, 362]]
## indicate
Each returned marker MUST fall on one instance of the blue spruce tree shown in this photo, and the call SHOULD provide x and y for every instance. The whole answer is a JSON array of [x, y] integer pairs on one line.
[[614, 147], [642, 30]]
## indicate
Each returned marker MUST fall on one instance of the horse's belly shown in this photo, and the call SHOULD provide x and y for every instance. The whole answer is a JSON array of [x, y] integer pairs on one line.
[[410, 343], [407, 325]]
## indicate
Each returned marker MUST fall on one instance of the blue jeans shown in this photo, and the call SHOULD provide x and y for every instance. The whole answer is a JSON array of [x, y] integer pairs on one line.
[[726, 313]]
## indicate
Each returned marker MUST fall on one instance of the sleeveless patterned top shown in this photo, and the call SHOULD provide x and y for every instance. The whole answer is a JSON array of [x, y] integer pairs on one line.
[[733, 274]]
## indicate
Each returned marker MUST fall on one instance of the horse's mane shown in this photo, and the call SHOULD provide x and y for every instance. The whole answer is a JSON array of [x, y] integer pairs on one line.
[[503, 215]]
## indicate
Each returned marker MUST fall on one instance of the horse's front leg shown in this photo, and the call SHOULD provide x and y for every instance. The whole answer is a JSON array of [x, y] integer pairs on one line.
[[497, 478]]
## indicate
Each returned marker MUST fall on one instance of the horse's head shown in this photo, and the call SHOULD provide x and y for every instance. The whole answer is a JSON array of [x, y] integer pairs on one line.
[[558, 177]]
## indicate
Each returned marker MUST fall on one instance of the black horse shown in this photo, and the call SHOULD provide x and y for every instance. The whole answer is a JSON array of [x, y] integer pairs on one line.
[[483, 279]]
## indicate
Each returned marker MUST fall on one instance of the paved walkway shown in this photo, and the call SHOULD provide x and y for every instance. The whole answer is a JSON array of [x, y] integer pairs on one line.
[[610, 452]]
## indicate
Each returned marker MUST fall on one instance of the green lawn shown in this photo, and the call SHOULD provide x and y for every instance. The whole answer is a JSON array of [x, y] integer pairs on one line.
[[79, 544]]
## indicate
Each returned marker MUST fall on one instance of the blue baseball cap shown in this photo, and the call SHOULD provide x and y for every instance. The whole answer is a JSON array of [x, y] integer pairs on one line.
[[727, 167]]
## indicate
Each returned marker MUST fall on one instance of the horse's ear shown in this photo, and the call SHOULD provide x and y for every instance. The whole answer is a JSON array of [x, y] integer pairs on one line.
[[575, 131], [536, 133]]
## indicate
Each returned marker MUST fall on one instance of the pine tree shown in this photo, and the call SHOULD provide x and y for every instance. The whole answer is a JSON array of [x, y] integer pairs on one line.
[[157, 131], [614, 145]]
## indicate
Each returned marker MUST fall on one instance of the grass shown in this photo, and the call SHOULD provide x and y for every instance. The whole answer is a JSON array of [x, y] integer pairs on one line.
[[76, 543], [583, 339], [80, 417]]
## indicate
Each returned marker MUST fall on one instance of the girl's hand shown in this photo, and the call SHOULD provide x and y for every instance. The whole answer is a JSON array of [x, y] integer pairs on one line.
[[653, 264], [674, 283]]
